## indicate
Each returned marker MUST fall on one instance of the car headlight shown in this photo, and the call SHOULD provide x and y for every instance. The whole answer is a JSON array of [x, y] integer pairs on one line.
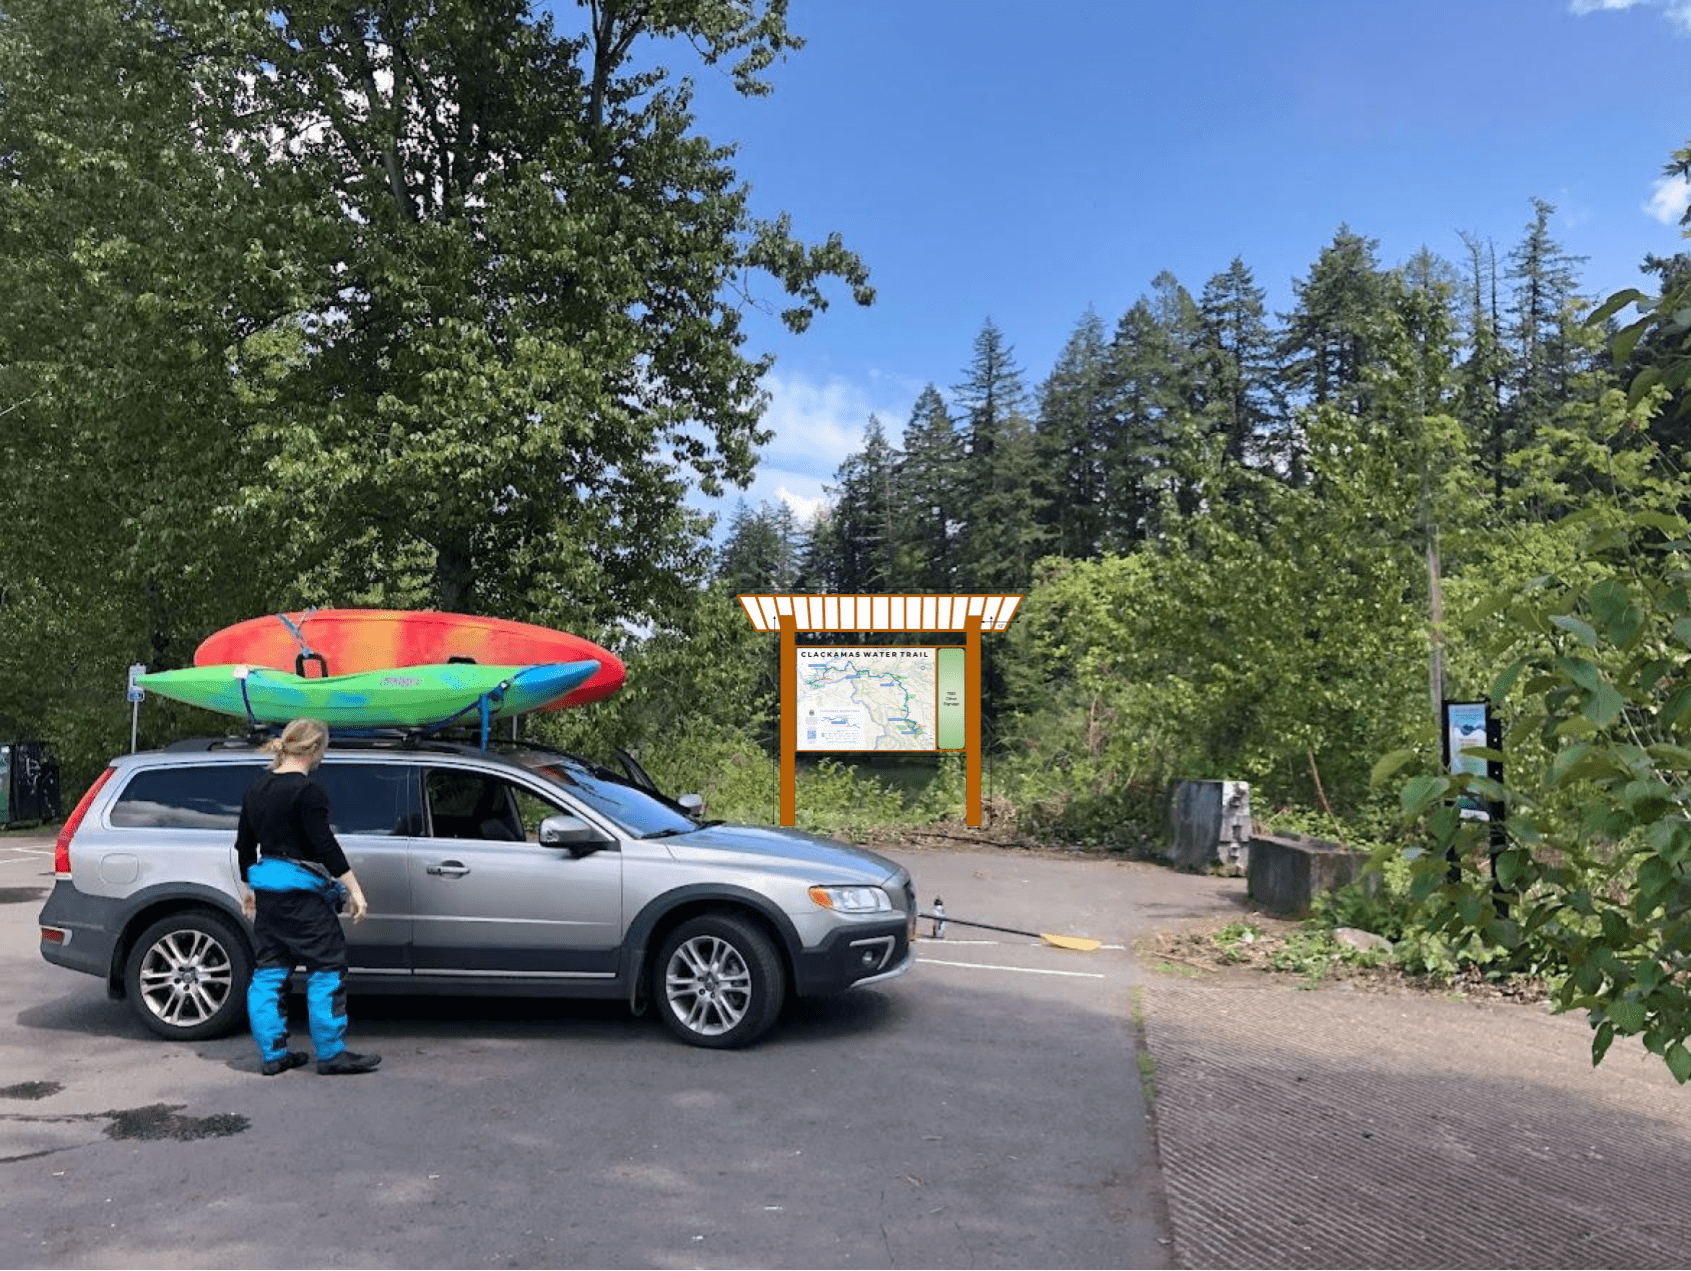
[[852, 900]]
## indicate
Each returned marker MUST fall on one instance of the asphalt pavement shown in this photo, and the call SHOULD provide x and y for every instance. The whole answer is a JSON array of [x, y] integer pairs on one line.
[[983, 1110], [986, 1110]]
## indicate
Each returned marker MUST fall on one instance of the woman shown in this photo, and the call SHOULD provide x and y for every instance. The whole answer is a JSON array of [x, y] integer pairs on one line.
[[292, 896]]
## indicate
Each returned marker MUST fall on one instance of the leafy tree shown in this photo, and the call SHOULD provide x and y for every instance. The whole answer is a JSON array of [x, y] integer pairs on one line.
[[140, 272], [1591, 887], [528, 355]]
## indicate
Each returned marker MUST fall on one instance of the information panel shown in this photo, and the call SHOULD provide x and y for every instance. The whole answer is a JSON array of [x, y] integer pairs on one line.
[[880, 699]]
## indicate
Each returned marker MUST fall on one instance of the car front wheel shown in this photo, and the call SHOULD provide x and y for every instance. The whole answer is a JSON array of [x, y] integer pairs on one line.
[[718, 981], [187, 976]]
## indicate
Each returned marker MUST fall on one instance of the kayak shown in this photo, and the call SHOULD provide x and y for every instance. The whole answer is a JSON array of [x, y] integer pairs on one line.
[[399, 697], [336, 642]]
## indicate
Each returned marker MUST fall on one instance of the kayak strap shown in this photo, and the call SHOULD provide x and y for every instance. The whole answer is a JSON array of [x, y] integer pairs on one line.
[[483, 707], [246, 700], [305, 649]]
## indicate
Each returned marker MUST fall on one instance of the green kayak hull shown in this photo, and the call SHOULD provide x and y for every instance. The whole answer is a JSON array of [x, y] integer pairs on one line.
[[403, 697]]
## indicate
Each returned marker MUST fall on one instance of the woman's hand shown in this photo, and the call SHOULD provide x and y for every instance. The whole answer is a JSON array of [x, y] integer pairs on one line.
[[356, 905], [249, 903]]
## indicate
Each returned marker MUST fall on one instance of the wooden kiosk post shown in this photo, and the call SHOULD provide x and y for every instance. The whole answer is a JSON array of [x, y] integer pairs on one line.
[[970, 614]]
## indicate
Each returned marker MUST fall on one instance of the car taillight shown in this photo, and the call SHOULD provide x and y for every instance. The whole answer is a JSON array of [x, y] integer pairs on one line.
[[61, 845]]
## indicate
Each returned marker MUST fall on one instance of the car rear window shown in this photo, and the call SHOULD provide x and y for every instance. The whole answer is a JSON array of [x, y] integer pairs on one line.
[[188, 798], [363, 798]]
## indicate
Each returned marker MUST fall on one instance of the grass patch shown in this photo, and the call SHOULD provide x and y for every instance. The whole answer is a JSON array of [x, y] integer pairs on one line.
[[1178, 968], [1146, 1060]]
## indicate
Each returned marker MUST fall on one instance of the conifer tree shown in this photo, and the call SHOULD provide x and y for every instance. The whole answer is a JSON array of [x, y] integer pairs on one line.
[[1072, 433], [931, 481], [1001, 531], [1238, 363]]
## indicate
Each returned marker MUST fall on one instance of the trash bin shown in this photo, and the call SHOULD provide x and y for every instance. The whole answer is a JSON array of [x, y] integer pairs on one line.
[[29, 783]]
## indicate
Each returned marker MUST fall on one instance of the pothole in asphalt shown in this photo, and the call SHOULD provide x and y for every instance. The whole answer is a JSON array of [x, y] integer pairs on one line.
[[30, 1090], [164, 1121]]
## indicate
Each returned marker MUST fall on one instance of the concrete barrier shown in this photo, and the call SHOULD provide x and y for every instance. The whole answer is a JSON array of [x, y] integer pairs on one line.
[[1287, 871], [1209, 823]]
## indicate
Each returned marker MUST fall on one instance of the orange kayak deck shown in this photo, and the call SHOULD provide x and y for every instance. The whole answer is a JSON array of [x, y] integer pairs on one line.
[[354, 641]]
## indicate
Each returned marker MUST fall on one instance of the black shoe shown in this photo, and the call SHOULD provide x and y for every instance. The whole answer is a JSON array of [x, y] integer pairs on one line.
[[293, 1059], [346, 1063]]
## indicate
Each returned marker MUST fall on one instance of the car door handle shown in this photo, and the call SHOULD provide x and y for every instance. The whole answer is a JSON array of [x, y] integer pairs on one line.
[[449, 869]]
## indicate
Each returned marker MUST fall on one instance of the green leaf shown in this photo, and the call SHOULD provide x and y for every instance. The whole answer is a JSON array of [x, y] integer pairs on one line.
[[1627, 1014], [1577, 627], [1391, 763], [1603, 706], [1504, 682], [1673, 758], [1601, 1041], [1510, 866], [1614, 304], [1419, 793], [1627, 337], [1675, 705], [1642, 384], [1678, 1061]]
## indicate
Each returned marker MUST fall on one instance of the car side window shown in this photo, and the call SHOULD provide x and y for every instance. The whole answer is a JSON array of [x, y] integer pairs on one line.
[[475, 805], [371, 798]]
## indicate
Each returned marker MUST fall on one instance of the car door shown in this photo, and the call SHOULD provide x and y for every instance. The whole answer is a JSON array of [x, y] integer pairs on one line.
[[488, 900], [374, 808]]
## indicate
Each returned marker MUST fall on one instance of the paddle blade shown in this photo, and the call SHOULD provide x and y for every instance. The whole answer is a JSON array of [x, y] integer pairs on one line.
[[1080, 943]]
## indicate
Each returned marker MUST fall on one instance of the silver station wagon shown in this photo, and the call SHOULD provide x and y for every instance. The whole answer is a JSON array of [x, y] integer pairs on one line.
[[511, 870]]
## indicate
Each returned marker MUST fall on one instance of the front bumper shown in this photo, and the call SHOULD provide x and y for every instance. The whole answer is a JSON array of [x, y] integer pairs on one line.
[[862, 953]]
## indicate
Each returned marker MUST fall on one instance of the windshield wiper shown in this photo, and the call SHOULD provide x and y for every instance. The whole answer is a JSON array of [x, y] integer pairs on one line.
[[663, 834]]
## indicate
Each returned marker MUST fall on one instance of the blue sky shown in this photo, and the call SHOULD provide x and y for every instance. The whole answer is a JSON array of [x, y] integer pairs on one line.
[[1024, 161]]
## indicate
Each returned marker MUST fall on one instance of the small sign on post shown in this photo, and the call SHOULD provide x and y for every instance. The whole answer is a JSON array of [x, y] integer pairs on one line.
[[137, 695]]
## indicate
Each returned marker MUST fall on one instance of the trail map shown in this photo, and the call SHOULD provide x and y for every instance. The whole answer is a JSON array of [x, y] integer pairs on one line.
[[866, 699]]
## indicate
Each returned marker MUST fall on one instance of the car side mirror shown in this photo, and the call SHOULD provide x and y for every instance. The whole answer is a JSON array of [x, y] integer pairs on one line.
[[693, 805], [571, 833]]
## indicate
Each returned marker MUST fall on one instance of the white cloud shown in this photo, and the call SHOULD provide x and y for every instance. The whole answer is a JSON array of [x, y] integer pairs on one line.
[[1677, 12], [817, 426], [1667, 203], [804, 509]]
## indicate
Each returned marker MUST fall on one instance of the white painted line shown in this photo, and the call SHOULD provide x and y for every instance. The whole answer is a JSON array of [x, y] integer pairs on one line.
[[1025, 970], [34, 859]]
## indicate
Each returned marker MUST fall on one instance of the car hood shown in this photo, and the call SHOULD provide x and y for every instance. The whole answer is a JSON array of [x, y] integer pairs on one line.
[[796, 846]]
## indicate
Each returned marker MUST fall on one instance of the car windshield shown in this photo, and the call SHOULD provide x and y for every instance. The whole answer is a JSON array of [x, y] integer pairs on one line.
[[640, 814]]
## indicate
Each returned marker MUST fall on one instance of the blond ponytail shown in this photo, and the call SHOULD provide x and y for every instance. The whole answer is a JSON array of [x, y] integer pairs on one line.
[[301, 737]]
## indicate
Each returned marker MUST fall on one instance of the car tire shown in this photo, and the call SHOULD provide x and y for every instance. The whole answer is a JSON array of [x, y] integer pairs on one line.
[[186, 976], [718, 981]]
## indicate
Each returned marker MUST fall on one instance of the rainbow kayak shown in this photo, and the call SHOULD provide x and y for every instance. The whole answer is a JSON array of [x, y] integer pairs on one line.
[[400, 697]]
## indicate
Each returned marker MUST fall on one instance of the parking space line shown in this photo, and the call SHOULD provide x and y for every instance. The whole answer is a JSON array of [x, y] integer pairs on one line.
[[1026, 970]]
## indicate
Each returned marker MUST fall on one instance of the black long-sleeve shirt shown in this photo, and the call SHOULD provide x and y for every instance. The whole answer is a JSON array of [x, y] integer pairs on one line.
[[288, 813]]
